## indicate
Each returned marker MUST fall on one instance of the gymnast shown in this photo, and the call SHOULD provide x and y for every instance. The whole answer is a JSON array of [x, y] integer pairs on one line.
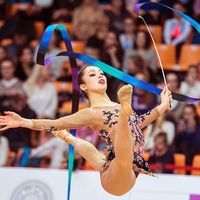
[[117, 124]]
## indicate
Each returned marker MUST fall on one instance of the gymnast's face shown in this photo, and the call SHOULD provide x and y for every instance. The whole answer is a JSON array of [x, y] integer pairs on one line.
[[94, 81]]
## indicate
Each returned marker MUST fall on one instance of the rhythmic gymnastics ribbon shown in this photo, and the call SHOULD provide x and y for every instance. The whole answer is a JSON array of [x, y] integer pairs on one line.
[[92, 61], [75, 97], [103, 66]]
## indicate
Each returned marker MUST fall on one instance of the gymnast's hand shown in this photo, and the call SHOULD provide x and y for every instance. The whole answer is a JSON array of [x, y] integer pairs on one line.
[[166, 97], [10, 120]]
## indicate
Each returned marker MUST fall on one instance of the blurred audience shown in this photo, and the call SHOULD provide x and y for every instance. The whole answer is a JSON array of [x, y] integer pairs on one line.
[[127, 38], [143, 48], [83, 25], [143, 101], [160, 125], [25, 64], [42, 95], [117, 14], [191, 85], [3, 53], [187, 139], [175, 111], [161, 154], [112, 54], [10, 85], [176, 29], [63, 10]]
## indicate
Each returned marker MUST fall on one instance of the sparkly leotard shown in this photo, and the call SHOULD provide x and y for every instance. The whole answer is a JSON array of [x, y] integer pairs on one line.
[[104, 120], [110, 119]]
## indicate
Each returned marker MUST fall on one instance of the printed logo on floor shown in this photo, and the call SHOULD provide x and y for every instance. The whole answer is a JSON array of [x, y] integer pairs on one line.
[[32, 190]]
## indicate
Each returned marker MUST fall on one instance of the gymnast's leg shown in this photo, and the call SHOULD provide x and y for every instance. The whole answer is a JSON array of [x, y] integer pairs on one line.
[[120, 178], [84, 148]]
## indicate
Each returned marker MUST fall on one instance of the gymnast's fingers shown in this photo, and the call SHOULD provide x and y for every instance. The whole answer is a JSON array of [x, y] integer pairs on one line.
[[2, 122], [2, 117]]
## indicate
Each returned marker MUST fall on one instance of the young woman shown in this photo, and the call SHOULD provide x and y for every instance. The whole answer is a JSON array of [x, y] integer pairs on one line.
[[116, 123]]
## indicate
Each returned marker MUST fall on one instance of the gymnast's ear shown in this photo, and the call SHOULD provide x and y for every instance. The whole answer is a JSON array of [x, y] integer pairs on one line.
[[83, 87]]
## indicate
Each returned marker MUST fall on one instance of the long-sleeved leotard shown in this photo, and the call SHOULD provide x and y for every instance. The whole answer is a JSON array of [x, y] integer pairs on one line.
[[104, 119]]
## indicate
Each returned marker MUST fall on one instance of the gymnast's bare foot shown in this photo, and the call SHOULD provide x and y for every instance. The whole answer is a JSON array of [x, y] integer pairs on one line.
[[125, 97], [64, 135]]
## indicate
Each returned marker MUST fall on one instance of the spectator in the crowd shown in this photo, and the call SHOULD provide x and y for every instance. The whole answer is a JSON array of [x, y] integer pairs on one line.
[[196, 8], [4, 149], [42, 10], [187, 139], [25, 64], [134, 65], [117, 15], [63, 10], [20, 40], [127, 38], [143, 48], [3, 53], [112, 54], [42, 94], [175, 111], [55, 147], [176, 29], [161, 154], [160, 125], [143, 101], [20, 137], [17, 20], [86, 19], [9, 84], [191, 85]]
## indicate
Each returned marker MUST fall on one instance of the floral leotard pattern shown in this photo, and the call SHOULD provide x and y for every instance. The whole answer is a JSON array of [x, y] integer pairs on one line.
[[110, 119]]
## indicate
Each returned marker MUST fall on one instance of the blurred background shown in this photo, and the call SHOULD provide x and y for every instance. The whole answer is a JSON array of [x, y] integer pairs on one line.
[[109, 31]]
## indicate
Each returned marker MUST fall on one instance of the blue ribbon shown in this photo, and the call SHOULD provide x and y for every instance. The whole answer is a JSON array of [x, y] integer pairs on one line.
[[75, 97]]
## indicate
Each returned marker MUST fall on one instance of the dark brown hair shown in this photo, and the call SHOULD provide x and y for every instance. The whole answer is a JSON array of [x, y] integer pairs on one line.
[[80, 78]]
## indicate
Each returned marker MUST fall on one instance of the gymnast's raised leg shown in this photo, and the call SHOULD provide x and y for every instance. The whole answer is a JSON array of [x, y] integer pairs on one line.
[[84, 148], [119, 178]]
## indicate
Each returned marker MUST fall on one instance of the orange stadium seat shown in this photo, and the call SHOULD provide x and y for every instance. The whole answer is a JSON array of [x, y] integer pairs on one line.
[[87, 166], [179, 160], [78, 46], [63, 86], [39, 28], [196, 164], [156, 31], [168, 55], [190, 54], [34, 43], [6, 42], [146, 155]]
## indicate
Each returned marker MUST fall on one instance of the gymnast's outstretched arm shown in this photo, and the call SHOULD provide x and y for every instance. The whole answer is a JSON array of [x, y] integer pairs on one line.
[[81, 118]]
